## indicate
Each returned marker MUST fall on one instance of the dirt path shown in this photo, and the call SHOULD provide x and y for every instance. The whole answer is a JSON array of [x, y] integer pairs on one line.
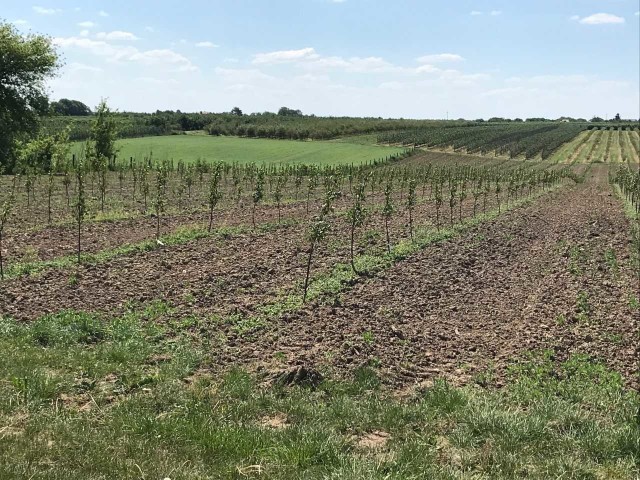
[[554, 275]]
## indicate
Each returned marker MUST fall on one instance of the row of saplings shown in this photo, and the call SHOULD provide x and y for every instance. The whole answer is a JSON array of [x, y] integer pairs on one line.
[[445, 186]]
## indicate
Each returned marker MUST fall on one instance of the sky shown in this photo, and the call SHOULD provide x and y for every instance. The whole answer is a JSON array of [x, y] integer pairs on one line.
[[381, 58]]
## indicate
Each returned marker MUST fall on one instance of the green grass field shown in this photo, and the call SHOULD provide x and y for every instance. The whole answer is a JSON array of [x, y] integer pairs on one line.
[[245, 150]]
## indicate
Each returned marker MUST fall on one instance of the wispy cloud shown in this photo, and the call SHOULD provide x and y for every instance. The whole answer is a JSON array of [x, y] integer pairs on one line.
[[475, 13], [166, 58], [600, 19], [20, 23], [149, 29], [46, 11], [102, 13], [285, 56], [206, 45], [86, 24], [440, 57], [495, 13], [116, 35]]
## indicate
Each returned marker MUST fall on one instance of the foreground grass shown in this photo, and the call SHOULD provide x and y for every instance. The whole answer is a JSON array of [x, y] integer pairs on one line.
[[189, 148], [85, 397]]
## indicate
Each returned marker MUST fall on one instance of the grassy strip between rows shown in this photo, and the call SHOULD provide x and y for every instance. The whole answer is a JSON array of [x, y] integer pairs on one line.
[[181, 236], [81, 398]]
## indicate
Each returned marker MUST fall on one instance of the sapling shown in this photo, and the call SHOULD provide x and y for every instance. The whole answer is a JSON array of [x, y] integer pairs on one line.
[[387, 210], [4, 215], [461, 197], [453, 188], [437, 194], [101, 165], [356, 214], [477, 191], [50, 189], [298, 183], [411, 203], [160, 197], [80, 209], [318, 229], [312, 183], [258, 194], [66, 181], [144, 184], [214, 193], [134, 173], [277, 193], [498, 189]]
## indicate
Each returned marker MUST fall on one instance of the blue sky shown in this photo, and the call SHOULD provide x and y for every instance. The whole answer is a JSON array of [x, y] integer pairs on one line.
[[401, 58]]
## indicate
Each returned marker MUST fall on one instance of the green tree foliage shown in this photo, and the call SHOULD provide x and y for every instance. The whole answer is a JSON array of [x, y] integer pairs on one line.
[[25, 63], [45, 153], [73, 108], [103, 135], [289, 112]]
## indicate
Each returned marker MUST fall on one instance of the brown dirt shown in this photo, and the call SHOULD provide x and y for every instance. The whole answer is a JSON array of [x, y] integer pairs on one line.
[[472, 305]]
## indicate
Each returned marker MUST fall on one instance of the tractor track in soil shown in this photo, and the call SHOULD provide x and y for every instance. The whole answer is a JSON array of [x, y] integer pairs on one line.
[[472, 304]]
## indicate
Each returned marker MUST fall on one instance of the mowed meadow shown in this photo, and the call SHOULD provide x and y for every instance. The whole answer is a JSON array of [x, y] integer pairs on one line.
[[193, 147], [436, 302]]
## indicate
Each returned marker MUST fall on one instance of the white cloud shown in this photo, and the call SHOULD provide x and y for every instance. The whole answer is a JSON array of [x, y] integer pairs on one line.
[[285, 56], [149, 29], [338, 1], [206, 45], [575, 18], [601, 19], [125, 53], [637, 14], [440, 57], [81, 67], [495, 13], [102, 13], [475, 13], [164, 57], [20, 23], [84, 33], [46, 11], [116, 35], [231, 60], [86, 24]]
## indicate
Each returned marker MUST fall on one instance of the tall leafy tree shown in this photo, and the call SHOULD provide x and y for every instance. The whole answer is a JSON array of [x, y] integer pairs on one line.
[[103, 135], [26, 62]]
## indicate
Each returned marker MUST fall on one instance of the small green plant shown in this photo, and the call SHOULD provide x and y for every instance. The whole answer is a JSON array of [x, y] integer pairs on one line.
[[612, 261], [583, 307], [368, 338]]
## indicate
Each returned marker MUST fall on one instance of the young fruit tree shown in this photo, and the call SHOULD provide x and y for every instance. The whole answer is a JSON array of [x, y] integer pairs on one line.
[[80, 207], [411, 203], [214, 193], [387, 210], [258, 194], [356, 214], [4, 215], [160, 200], [318, 229]]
